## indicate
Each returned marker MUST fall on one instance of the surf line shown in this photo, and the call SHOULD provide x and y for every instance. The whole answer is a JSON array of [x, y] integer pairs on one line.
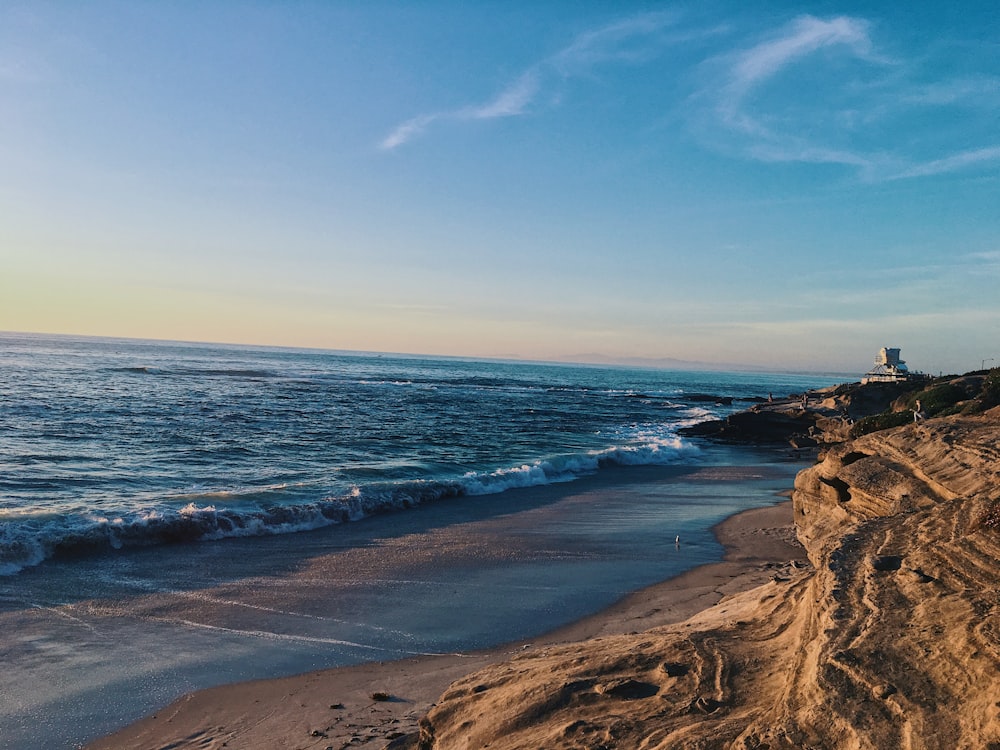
[[268, 635]]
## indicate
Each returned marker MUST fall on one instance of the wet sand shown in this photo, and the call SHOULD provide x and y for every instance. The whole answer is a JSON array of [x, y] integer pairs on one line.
[[90, 645], [368, 705]]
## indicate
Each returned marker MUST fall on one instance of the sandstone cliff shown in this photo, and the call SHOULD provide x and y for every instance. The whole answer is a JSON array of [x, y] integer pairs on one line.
[[892, 640]]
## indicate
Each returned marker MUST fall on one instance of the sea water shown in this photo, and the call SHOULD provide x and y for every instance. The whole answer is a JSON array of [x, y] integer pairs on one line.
[[110, 444], [175, 516]]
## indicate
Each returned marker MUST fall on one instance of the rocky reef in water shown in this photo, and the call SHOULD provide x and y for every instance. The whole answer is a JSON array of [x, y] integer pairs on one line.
[[890, 640], [834, 414]]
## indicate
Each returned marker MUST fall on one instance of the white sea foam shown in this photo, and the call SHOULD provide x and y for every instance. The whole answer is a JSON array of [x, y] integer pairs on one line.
[[271, 635], [27, 544], [192, 442], [654, 450]]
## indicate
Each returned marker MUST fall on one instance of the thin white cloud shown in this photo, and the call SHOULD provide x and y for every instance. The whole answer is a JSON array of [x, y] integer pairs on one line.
[[510, 102], [10, 72], [795, 42], [799, 39], [989, 256], [753, 127], [852, 106], [630, 40], [416, 308], [953, 163], [791, 151], [975, 92], [407, 130], [18, 70], [984, 263]]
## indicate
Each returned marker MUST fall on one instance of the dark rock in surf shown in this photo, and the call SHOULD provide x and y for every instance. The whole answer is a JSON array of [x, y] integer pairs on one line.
[[755, 426]]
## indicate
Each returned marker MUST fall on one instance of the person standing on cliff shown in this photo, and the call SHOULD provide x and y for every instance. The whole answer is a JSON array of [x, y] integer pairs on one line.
[[918, 413]]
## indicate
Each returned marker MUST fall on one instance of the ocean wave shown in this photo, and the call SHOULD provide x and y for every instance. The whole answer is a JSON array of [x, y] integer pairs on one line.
[[656, 451], [28, 540], [222, 372]]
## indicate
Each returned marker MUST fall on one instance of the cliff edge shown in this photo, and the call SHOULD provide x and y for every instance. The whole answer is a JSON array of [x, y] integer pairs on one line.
[[891, 640]]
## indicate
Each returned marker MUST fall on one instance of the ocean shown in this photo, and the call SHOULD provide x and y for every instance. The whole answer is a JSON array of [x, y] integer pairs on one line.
[[107, 444], [176, 515]]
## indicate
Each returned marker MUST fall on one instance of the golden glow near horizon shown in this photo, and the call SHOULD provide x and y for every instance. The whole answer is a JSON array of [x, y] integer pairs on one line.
[[785, 189]]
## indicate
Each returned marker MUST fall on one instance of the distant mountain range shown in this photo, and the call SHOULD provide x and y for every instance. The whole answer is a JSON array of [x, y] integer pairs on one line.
[[670, 363]]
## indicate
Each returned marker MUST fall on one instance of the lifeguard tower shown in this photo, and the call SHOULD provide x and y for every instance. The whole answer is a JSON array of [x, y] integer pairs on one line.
[[889, 368]]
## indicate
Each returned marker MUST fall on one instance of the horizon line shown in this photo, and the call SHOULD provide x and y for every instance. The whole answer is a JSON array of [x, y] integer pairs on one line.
[[593, 359]]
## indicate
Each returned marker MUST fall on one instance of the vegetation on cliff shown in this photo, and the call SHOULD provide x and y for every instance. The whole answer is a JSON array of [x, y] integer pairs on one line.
[[940, 397]]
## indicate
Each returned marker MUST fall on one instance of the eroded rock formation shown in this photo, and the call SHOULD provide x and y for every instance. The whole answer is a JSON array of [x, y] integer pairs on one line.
[[892, 640]]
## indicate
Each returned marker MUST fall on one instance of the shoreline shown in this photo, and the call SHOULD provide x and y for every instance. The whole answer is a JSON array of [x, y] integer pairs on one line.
[[892, 522], [132, 633], [335, 708]]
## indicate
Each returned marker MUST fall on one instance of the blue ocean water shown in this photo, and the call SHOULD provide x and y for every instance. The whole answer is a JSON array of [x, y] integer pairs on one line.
[[112, 443]]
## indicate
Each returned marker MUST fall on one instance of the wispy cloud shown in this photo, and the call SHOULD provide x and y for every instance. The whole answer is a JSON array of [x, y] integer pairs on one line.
[[983, 91], [631, 40], [820, 91], [795, 150], [851, 104], [984, 263], [799, 39], [19, 70], [953, 163], [812, 90], [510, 102], [408, 130], [792, 45], [990, 257]]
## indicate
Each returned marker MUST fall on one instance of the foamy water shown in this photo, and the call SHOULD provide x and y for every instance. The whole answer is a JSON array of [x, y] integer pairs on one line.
[[111, 444], [161, 503]]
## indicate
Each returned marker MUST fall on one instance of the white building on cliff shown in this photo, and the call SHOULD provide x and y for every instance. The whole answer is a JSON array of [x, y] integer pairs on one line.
[[889, 368]]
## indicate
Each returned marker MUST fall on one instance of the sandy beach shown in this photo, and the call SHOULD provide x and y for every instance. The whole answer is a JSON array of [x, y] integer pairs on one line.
[[335, 708], [861, 615], [97, 643], [499, 376]]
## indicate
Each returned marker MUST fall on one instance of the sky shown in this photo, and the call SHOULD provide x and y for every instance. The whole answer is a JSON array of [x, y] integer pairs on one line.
[[773, 184]]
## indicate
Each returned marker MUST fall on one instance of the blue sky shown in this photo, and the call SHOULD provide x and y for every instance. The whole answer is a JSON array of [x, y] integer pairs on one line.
[[791, 185]]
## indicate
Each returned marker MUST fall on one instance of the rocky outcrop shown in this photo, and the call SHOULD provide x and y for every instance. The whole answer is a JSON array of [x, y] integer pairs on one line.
[[906, 651], [892, 640], [760, 425], [824, 415]]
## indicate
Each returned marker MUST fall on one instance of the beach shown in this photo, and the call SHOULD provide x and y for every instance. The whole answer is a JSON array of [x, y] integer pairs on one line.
[[98, 642], [314, 550], [499, 376], [861, 615], [182, 516], [335, 708]]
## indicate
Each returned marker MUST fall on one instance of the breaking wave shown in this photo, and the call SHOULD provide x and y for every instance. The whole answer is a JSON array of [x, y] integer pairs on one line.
[[29, 539]]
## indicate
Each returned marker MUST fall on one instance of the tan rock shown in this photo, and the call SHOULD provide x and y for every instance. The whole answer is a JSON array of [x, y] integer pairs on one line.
[[892, 642]]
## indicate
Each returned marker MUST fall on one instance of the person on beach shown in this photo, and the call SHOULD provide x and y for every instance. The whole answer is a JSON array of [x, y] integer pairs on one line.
[[918, 413]]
